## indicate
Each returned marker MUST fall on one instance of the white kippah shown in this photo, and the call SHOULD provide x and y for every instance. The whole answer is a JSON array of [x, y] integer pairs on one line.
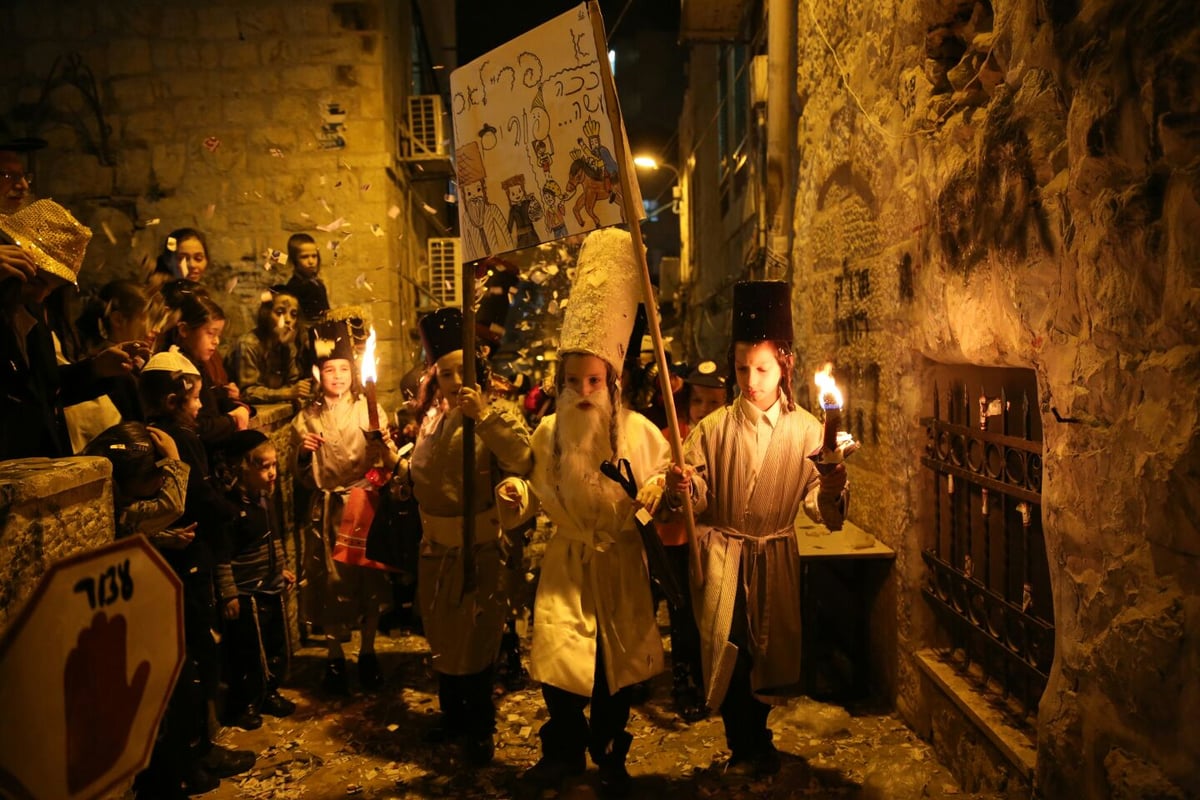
[[171, 361]]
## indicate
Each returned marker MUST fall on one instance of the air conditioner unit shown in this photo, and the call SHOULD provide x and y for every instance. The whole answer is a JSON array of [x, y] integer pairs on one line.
[[422, 135], [443, 273]]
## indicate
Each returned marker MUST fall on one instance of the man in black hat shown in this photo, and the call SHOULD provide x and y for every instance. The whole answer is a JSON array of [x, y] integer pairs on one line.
[[748, 472]]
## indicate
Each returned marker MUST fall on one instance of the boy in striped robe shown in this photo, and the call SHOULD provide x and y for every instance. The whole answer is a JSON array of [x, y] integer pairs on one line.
[[749, 473]]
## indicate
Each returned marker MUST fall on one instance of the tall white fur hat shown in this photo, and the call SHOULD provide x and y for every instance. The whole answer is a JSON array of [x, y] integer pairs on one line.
[[604, 298]]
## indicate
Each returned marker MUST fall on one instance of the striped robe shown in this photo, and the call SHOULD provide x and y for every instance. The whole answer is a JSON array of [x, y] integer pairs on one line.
[[753, 528]]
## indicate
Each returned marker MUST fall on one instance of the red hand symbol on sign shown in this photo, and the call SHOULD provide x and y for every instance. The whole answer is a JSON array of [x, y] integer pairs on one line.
[[100, 704]]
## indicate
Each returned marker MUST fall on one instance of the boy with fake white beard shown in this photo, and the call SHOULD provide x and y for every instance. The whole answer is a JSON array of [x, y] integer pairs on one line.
[[265, 362], [594, 632], [749, 472]]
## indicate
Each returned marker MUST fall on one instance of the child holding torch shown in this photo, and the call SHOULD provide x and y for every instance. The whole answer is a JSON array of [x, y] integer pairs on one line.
[[749, 472], [341, 453]]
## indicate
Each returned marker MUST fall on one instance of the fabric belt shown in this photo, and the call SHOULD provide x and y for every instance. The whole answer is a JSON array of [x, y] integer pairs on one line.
[[447, 531]]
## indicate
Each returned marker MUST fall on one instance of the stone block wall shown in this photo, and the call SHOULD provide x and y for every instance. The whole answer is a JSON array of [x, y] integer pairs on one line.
[[246, 120], [49, 509], [1014, 184]]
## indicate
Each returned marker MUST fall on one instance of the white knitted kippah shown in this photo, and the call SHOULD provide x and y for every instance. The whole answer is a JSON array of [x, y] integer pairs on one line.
[[604, 298], [171, 361]]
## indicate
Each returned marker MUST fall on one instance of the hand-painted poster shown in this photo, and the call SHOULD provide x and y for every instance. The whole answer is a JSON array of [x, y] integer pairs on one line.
[[536, 123]]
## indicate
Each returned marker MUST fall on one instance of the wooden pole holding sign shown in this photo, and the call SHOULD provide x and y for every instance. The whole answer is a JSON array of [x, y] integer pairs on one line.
[[470, 577], [632, 216]]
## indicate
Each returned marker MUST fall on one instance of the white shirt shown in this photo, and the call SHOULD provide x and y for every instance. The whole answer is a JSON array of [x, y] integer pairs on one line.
[[758, 428]]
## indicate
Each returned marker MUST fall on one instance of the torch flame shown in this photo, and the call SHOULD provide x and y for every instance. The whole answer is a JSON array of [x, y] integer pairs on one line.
[[828, 393], [368, 359]]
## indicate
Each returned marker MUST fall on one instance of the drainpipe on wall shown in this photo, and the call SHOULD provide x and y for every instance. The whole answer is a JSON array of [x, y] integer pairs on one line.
[[781, 137]]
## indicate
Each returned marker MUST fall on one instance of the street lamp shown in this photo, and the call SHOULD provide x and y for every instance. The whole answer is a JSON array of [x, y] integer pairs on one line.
[[652, 163]]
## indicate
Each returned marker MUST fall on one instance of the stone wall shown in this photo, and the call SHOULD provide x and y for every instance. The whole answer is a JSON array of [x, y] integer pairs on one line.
[[1015, 184], [247, 120], [49, 510]]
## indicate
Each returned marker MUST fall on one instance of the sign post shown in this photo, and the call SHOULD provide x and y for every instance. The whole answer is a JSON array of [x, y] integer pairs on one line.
[[86, 670]]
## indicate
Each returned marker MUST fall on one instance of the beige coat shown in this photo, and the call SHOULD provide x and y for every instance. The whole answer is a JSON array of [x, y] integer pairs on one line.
[[747, 533], [594, 584], [463, 632]]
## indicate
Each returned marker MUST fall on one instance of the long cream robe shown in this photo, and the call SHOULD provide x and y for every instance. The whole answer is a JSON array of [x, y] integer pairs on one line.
[[463, 632], [337, 593], [594, 583], [756, 528]]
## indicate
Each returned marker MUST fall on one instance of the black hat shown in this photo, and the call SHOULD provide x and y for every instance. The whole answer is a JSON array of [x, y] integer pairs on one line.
[[709, 375], [332, 338], [441, 333], [762, 310], [241, 443]]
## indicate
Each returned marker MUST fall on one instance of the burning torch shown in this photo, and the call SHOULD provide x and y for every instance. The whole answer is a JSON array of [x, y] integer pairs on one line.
[[836, 445], [368, 380]]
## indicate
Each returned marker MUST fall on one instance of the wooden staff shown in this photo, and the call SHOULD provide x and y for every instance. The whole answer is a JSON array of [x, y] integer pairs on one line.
[[470, 577], [639, 252]]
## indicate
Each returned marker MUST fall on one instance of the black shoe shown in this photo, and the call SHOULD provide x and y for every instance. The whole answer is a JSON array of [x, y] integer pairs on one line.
[[443, 732], [757, 764], [277, 705], [615, 780], [550, 773], [336, 681], [369, 674], [248, 719], [197, 781], [224, 762], [480, 750]]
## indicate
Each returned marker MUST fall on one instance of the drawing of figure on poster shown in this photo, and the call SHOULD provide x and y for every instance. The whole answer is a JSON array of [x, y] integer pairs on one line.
[[513, 105], [481, 222]]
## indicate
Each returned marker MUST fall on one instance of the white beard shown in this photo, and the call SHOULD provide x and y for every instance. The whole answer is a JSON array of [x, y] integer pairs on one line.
[[583, 442]]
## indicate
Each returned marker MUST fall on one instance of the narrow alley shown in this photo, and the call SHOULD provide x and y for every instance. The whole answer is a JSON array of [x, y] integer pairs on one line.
[[371, 746]]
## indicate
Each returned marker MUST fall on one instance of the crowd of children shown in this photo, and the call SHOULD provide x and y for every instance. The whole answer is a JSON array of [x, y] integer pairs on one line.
[[194, 475]]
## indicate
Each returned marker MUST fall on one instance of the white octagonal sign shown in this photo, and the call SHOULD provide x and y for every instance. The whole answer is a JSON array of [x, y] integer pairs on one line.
[[86, 669]]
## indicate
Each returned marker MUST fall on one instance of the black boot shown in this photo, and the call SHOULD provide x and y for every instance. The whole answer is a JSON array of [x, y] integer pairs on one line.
[[684, 693], [614, 778], [512, 673]]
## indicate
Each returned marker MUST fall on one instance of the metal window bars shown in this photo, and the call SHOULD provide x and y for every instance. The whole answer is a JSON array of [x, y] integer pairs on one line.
[[988, 578]]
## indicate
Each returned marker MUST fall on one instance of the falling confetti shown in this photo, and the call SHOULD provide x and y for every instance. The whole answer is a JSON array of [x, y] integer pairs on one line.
[[394, 212], [325, 205], [212, 143], [365, 187], [231, 285], [333, 226], [321, 180], [108, 232], [208, 212], [151, 222], [276, 152], [378, 231], [361, 282]]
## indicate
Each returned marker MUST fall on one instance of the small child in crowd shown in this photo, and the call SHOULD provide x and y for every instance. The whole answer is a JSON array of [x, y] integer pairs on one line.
[[256, 623], [265, 360], [198, 333], [334, 454]]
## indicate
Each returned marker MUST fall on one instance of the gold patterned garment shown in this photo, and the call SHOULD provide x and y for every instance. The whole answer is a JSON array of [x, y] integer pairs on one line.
[[746, 530], [463, 631]]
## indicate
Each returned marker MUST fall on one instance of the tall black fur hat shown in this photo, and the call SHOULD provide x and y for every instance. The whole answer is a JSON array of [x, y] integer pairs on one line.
[[762, 310]]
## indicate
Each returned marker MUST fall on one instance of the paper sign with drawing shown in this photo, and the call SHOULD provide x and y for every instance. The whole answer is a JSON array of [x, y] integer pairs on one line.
[[537, 155]]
